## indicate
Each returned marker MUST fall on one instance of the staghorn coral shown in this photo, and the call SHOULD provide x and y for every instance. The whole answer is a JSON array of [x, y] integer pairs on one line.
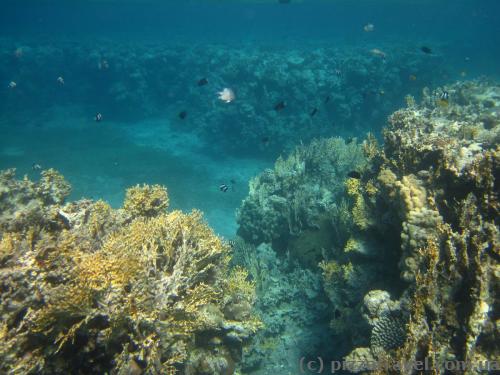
[[100, 292]]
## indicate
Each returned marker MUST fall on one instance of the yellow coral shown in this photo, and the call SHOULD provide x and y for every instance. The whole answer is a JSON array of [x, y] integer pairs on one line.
[[353, 186], [237, 285], [335, 272], [371, 189], [360, 213], [370, 146], [8, 245], [146, 200], [351, 245], [100, 212], [410, 101]]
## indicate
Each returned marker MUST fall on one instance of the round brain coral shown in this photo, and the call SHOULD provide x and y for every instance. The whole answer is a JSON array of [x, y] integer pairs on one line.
[[146, 200]]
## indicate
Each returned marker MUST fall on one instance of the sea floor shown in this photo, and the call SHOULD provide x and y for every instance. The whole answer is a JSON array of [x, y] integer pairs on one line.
[[101, 160]]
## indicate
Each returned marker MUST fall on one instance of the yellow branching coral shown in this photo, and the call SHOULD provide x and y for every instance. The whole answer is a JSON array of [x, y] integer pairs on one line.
[[335, 272], [359, 210], [146, 200], [370, 146], [159, 279], [53, 187], [351, 245], [238, 287], [98, 217]]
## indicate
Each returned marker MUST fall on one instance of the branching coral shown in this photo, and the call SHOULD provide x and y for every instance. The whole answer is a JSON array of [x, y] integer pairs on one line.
[[146, 200], [300, 195], [103, 293]]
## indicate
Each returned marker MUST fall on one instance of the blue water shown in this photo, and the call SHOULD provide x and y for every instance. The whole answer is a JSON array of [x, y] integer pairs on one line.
[[157, 51]]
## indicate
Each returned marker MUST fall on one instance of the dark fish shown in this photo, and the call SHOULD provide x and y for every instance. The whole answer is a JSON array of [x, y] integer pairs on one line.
[[327, 99], [224, 188], [284, 1], [232, 181], [280, 106], [444, 95], [231, 243], [354, 174], [349, 140], [36, 167], [338, 72], [182, 115], [426, 50], [203, 82], [314, 111], [98, 117], [265, 140]]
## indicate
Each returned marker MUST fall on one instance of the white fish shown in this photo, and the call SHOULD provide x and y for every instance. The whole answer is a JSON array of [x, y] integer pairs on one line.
[[12, 85], [226, 95], [369, 27]]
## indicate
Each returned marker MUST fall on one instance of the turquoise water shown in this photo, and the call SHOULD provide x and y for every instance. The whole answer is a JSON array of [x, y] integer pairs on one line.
[[152, 55]]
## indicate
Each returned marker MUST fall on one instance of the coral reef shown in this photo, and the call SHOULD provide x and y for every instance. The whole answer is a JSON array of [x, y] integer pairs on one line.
[[131, 291], [293, 205], [438, 176], [293, 309], [349, 86], [410, 247]]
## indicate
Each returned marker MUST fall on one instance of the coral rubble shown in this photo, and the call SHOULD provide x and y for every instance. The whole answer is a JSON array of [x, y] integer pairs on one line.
[[89, 289]]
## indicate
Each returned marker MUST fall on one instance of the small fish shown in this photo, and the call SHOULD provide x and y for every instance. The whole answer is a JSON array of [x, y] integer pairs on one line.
[[426, 50], [280, 106], [443, 99], [369, 27], [349, 140], [60, 80], [224, 188], [284, 1], [412, 77], [313, 112], [18, 53], [327, 99], [232, 181], [226, 95], [98, 117], [354, 174], [265, 140], [103, 64], [36, 167], [231, 243], [338, 72], [203, 82], [12, 85], [378, 53], [182, 115]]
